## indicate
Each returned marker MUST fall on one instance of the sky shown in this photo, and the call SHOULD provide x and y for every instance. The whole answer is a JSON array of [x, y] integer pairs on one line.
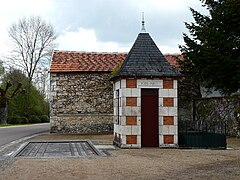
[[103, 25]]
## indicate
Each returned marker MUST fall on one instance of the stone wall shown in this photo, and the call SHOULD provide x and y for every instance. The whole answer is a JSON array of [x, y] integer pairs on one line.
[[218, 114], [81, 102], [81, 124], [187, 92], [215, 114]]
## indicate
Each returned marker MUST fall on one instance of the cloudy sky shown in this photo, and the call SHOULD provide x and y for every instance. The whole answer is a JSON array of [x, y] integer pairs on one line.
[[103, 25]]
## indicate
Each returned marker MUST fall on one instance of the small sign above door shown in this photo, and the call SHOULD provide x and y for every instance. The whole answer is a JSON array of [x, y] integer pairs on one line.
[[149, 83]]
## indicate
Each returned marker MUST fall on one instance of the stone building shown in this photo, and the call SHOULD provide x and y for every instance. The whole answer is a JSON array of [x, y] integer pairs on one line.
[[81, 93], [146, 98]]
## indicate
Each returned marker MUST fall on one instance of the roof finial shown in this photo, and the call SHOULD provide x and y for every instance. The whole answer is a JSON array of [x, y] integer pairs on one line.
[[143, 22]]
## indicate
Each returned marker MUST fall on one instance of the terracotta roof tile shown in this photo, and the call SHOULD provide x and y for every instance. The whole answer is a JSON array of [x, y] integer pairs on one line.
[[72, 61], [172, 59]]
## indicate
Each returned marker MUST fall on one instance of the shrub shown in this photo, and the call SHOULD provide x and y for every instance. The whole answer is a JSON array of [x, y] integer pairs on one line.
[[34, 119], [44, 118], [17, 120]]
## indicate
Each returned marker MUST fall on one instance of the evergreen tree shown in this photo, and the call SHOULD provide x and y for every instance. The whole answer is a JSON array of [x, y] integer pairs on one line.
[[212, 48]]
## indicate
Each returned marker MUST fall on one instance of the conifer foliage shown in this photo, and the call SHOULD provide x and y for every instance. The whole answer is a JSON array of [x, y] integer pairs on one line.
[[212, 47]]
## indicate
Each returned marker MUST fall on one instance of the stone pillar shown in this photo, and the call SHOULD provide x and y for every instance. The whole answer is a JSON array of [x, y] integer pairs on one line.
[[168, 113]]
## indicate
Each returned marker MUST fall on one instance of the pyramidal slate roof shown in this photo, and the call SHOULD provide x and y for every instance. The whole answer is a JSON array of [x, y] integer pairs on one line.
[[146, 60]]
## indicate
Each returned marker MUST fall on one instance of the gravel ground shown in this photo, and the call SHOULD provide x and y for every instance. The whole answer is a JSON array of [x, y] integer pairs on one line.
[[145, 163]]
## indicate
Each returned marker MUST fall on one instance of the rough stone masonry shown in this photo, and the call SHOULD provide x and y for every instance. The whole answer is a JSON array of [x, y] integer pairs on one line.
[[81, 102]]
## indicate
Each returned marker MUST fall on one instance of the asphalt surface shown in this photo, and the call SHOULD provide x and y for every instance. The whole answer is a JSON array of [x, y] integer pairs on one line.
[[9, 134]]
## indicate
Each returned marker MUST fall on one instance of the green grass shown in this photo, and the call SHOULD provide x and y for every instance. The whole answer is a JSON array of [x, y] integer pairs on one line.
[[5, 125]]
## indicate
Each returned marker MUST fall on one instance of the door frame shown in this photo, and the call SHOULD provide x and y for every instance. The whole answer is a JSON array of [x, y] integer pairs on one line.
[[154, 92]]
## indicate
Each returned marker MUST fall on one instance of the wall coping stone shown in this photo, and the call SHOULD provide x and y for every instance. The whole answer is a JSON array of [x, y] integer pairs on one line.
[[83, 115]]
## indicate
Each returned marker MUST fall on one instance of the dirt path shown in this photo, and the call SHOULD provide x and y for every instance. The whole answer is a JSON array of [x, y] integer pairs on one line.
[[146, 163]]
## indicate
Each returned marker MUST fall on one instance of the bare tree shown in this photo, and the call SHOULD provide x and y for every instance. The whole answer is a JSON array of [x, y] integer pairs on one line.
[[33, 40], [42, 81]]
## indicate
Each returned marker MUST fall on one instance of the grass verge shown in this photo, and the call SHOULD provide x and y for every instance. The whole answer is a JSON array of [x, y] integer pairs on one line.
[[5, 125]]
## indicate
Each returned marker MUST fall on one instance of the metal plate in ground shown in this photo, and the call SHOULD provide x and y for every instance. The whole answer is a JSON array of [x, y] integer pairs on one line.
[[60, 149]]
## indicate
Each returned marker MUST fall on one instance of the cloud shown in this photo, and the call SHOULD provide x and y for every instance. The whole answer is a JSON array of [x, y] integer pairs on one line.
[[86, 40], [12, 10], [117, 23], [3, 36], [15, 8], [82, 39], [106, 25]]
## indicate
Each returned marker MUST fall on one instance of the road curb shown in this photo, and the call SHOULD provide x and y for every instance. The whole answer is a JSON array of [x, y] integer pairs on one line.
[[2, 148], [25, 125]]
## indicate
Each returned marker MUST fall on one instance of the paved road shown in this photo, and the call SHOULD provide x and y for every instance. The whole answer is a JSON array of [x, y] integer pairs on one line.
[[9, 134]]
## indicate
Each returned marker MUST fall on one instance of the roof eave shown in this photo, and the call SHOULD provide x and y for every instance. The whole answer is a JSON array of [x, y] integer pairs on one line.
[[75, 71], [142, 76]]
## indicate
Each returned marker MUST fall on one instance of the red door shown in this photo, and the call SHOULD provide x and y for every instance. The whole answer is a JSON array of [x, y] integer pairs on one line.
[[149, 118]]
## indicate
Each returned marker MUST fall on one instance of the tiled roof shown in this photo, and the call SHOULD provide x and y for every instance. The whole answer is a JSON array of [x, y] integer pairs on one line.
[[72, 61], [146, 60], [173, 58]]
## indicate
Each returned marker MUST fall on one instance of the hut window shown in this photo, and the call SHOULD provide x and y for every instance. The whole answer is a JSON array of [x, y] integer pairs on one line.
[[118, 102]]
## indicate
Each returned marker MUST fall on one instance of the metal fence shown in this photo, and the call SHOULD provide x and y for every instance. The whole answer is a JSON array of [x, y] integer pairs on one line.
[[202, 135]]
